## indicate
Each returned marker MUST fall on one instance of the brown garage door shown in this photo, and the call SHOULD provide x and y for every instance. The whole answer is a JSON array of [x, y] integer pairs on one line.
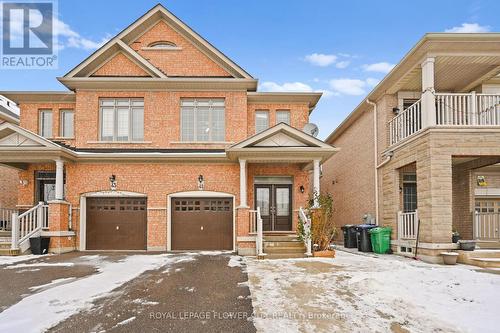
[[202, 224], [116, 224]]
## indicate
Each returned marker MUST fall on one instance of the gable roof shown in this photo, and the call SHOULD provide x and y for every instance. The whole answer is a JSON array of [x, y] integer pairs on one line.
[[15, 136], [140, 26], [280, 135]]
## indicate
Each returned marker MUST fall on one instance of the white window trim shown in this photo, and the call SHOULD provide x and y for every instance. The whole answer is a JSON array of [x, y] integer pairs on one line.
[[61, 123], [40, 121], [268, 120], [210, 115], [289, 116], [115, 120]]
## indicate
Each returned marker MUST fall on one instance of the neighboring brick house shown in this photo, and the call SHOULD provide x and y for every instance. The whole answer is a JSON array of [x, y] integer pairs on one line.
[[9, 178], [162, 143], [412, 149]]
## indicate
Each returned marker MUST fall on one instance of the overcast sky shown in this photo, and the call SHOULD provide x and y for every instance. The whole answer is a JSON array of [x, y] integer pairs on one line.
[[342, 48]]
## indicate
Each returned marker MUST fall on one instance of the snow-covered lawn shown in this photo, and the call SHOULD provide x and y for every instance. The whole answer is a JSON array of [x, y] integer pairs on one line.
[[354, 293], [62, 298]]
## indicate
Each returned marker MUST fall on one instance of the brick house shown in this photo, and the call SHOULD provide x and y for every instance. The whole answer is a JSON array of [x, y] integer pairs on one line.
[[8, 176], [160, 143], [420, 144]]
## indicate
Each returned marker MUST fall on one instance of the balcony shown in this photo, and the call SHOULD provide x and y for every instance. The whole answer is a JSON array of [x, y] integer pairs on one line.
[[451, 110]]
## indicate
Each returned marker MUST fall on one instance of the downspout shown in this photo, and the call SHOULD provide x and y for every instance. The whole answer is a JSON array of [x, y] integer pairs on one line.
[[375, 157]]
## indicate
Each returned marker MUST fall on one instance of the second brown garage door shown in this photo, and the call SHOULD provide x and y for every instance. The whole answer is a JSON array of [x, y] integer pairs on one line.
[[116, 224], [202, 224]]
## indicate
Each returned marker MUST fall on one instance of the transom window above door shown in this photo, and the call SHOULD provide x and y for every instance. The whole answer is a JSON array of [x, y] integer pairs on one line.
[[202, 119], [121, 119]]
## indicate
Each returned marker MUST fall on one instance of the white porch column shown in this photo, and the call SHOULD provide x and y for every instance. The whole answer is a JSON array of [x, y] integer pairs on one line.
[[316, 174], [428, 99], [243, 183], [59, 180]]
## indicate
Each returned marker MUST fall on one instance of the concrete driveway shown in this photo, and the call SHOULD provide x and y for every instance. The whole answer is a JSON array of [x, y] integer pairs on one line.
[[108, 292]]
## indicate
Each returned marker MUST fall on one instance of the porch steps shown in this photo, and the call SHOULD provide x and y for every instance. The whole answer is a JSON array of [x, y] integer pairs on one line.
[[5, 244], [481, 258], [283, 247], [488, 244]]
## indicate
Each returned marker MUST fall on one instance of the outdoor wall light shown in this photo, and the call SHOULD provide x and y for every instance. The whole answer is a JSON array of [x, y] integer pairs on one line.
[[112, 182], [23, 182], [395, 110], [201, 183], [301, 189]]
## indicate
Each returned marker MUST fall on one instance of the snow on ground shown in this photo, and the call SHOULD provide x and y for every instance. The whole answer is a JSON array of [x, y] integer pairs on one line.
[[9, 260], [40, 311], [354, 293]]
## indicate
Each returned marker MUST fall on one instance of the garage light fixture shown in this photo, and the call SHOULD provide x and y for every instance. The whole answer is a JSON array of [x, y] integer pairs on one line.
[[112, 182], [201, 183], [301, 188]]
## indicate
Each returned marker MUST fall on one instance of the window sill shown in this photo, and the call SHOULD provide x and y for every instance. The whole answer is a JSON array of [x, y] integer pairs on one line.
[[64, 138], [120, 142], [201, 142]]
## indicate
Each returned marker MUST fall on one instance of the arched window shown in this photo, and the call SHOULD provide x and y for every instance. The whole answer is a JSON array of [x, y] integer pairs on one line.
[[162, 45]]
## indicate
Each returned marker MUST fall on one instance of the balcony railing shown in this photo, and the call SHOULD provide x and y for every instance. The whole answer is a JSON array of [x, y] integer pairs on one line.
[[406, 123], [452, 109], [487, 226]]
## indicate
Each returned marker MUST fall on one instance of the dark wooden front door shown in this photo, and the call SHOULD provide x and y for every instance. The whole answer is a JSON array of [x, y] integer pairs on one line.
[[275, 202], [202, 224], [116, 224]]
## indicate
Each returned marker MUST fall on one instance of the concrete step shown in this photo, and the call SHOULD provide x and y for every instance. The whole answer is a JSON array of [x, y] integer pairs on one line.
[[5, 239], [9, 252], [488, 245], [296, 243], [487, 262], [280, 238], [284, 256], [5, 245], [284, 250], [4, 233]]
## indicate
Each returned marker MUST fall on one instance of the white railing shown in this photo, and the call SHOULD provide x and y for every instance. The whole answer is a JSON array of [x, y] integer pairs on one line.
[[452, 109], [28, 224], [256, 227], [6, 218], [486, 226], [407, 225], [406, 123], [306, 222], [467, 109]]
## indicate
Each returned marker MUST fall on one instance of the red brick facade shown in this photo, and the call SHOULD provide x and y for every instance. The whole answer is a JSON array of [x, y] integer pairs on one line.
[[159, 179]]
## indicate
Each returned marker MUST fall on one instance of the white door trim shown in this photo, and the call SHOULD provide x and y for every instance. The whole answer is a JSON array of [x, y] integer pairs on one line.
[[197, 194], [83, 209]]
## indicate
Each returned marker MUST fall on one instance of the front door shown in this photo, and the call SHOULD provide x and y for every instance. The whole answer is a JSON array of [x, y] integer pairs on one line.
[[45, 186], [275, 202]]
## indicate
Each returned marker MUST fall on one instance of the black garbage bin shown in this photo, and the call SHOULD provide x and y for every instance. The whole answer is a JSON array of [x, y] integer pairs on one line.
[[350, 238], [39, 245], [364, 241]]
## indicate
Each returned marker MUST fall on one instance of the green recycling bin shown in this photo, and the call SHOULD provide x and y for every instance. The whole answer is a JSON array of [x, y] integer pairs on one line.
[[381, 239]]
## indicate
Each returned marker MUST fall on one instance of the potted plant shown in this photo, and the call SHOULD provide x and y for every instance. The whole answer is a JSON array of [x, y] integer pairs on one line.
[[450, 258], [455, 236], [323, 228]]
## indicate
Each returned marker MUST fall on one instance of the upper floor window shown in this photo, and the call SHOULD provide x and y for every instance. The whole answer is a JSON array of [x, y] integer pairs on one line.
[[202, 119], [283, 116], [121, 119], [45, 123], [163, 45], [67, 121], [261, 120]]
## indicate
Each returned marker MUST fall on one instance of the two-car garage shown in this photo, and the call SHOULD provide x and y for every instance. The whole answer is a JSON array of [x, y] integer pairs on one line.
[[196, 223]]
